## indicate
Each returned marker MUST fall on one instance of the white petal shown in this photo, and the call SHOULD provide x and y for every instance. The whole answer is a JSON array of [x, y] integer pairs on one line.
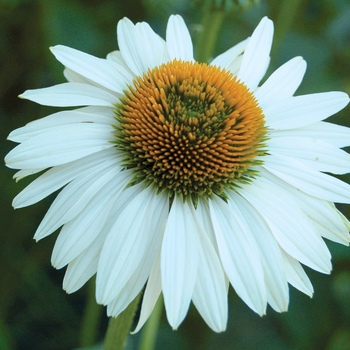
[[204, 217], [139, 278], [179, 260], [333, 234], [100, 71], [282, 83], [328, 221], [296, 275], [81, 231], [308, 180], [19, 175], [151, 294], [132, 288], [239, 255], [336, 135], [60, 145], [203, 214], [57, 177], [141, 48], [178, 39], [116, 57], [74, 77], [236, 65], [70, 95], [85, 265], [269, 252], [128, 293], [256, 56], [209, 295], [299, 111], [290, 226], [314, 153], [102, 115], [80, 270], [75, 197], [226, 59], [126, 244]]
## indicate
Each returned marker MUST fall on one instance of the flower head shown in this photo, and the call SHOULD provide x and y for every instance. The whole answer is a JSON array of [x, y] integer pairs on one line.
[[194, 135], [184, 176]]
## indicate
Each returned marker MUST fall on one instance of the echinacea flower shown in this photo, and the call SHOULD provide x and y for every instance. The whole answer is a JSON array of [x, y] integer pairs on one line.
[[184, 176]]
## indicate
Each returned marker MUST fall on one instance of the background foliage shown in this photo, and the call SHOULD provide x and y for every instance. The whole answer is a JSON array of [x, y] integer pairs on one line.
[[34, 311]]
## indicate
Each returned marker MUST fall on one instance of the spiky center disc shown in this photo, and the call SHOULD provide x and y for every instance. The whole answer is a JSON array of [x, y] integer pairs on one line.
[[191, 129]]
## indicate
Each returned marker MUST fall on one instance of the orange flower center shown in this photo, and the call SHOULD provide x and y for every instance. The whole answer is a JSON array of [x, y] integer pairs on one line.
[[191, 129]]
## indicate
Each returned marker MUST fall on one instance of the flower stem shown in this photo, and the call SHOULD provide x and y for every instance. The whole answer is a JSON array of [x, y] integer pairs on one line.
[[119, 327], [91, 318], [150, 330], [211, 24]]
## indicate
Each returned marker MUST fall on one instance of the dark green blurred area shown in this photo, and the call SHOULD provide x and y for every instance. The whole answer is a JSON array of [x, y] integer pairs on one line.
[[35, 313]]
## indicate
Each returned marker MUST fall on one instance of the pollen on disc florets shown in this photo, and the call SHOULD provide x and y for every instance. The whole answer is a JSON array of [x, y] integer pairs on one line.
[[191, 129]]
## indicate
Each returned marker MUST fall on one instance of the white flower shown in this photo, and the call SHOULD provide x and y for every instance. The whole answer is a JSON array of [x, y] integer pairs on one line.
[[184, 176]]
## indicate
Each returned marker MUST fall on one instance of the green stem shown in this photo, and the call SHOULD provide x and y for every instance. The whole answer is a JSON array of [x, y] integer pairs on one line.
[[91, 318], [119, 327], [211, 24], [150, 330]]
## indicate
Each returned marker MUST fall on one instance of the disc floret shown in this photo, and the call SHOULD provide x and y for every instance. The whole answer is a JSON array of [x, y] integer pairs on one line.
[[190, 129]]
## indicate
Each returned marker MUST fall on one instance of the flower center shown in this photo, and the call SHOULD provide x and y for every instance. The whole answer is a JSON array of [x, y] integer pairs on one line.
[[190, 129]]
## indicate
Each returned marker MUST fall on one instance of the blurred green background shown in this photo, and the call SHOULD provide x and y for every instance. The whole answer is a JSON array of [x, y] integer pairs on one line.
[[35, 313]]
